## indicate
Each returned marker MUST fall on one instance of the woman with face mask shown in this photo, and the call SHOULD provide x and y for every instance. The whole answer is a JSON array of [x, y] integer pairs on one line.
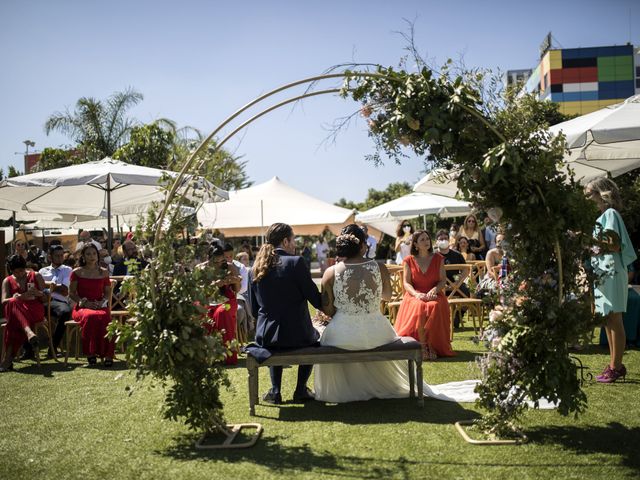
[[403, 241]]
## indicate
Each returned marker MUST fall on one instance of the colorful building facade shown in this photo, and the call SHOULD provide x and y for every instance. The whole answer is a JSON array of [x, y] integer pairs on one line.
[[582, 80]]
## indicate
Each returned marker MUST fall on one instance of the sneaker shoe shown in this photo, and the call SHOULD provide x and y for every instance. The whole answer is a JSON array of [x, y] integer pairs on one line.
[[272, 398], [303, 397]]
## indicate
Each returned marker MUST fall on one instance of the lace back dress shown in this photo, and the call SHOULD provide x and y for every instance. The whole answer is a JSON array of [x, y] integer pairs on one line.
[[359, 325]]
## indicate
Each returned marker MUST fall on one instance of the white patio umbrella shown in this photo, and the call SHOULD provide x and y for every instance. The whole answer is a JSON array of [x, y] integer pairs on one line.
[[385, 217], [439, 182], [604, 141], [101, 189]]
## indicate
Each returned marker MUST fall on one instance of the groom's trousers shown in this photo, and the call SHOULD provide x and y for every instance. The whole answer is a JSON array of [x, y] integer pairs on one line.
[[304, 372]]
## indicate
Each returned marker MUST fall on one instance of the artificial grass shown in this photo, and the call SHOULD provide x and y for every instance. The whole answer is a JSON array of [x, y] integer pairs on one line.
[[75, 422]]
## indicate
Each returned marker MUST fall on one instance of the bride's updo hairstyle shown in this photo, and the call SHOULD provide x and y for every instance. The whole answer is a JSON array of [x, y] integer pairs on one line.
[[350, 240], [267, 257]]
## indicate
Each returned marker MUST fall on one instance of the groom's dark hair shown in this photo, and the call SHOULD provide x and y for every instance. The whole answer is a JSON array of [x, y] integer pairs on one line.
[[267, 257]]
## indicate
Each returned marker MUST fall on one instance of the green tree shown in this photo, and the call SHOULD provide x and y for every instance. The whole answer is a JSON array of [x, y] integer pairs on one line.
[[99, 127], [377, 197], [13, 172], [51, 158], [149, 145]]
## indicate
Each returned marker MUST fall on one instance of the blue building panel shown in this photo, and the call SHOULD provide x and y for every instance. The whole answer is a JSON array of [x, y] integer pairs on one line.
[[557, 97], [572, 96], [593, 95]]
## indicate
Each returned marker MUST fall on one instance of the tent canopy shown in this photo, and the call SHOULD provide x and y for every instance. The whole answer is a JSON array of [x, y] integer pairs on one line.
[[250, 211], [386, 217], [439, 182]]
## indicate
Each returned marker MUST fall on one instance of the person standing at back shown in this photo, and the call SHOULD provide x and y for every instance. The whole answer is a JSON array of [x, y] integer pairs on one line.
[[280, 288]]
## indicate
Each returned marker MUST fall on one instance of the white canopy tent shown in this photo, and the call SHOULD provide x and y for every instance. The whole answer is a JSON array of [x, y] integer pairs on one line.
[[250, 211], [100, 189], [604, 141], [386, 217]]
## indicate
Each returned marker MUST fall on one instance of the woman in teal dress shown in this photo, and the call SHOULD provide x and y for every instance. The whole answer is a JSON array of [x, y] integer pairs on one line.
[[612, 253]]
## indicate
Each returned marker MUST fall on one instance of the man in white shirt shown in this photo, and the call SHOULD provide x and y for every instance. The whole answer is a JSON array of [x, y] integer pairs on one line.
[[57, 277], [85, 237], [372, 243], [243, 315]]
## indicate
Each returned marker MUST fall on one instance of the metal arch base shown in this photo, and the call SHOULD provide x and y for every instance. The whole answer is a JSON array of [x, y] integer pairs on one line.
[[234, 429], [517, 441]]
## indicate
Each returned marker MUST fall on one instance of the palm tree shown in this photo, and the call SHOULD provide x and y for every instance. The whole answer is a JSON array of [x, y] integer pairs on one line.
[[99, 127]]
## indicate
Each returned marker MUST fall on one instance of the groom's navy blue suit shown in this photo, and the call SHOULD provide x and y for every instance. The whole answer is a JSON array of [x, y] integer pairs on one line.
[[279, 303]]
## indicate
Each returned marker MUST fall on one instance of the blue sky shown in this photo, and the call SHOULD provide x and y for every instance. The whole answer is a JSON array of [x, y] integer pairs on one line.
[[196, 62]]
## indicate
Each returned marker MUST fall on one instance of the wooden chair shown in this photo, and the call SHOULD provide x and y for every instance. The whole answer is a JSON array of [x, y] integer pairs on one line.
[[458, 300], [73, 328], [478, 271], [397, 291]]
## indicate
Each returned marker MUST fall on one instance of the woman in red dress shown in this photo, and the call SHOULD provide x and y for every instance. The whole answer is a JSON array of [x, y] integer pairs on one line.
[[22, 298], [424, 311], [90, 288], [223, 316]]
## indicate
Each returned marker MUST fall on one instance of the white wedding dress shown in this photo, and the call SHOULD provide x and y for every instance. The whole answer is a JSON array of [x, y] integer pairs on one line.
[[359, 325]]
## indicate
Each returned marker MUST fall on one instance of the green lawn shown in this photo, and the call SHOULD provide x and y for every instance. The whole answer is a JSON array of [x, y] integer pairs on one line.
[[60, 423]]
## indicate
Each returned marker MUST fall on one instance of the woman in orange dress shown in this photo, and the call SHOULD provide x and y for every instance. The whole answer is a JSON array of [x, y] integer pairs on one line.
[[424, 311], [90, 288], [22, 298]]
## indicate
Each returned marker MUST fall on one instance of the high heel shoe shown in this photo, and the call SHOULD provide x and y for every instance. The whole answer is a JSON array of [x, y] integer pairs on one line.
[[428, 354], [612, 375]]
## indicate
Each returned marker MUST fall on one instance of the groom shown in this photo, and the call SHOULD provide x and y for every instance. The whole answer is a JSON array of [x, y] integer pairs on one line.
[[280, 288]]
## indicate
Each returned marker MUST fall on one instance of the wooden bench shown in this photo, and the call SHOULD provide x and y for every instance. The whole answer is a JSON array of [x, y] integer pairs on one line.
[[405, 348]]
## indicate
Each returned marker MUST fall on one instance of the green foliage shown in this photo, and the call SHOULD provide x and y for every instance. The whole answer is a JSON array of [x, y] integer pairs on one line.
[[51, 158], [13, 172], [99, 127], [149, 146], [168, 340], [508, 161], [377, 197]]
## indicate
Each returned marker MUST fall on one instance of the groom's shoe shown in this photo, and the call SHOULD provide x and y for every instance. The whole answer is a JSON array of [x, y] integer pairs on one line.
[[272, 398], [303, 397]]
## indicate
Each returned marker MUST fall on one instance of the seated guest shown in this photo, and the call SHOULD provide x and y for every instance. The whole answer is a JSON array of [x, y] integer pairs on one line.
[[452, 257], [243, 316], [105, 260], [116, 251], [22, 298], [35, 258], [57, 277], [69, 259], [424, 311], [20, 248], [90, 289], [223, 319], [131, 261], [489, 283], [85, 237], [471, 230], [462, 246]]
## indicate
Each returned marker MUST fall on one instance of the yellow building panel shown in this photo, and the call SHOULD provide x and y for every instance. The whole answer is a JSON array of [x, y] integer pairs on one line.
[[606, 103], [555, 59], [570, 108]]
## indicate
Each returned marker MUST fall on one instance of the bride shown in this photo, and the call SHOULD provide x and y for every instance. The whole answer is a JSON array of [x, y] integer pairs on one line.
[[351, 294]]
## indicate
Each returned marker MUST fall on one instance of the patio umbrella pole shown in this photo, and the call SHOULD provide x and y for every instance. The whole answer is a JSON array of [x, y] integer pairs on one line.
[[109, 236], [13, 248]]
